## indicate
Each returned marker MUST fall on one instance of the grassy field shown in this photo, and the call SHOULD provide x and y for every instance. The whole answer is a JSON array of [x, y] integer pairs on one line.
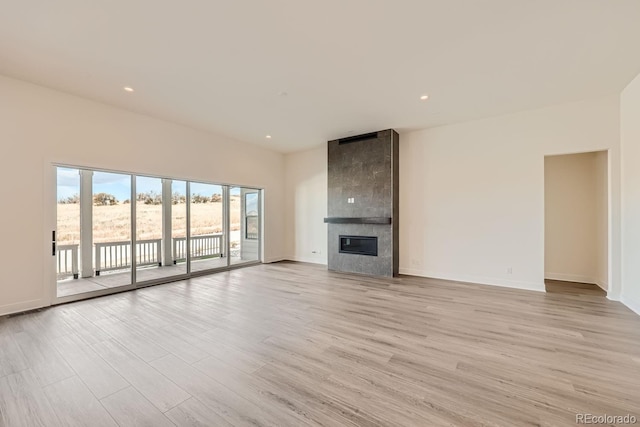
[[113, 223]]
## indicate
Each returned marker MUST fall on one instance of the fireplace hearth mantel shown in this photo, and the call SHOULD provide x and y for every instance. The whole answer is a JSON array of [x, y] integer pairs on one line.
[[358, 220]]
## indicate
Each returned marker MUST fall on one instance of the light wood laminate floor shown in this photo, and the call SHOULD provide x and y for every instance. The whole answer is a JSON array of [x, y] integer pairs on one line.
[[291, 344], [115, 279]]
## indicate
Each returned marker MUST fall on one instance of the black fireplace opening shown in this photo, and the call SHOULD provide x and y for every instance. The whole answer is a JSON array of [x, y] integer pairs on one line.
[[359, 245]]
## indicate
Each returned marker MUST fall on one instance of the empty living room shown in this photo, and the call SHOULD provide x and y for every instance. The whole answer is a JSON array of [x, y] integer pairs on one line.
[[329, 213]]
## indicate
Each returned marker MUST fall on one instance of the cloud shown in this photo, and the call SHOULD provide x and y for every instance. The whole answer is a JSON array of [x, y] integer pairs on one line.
[[68, 177]]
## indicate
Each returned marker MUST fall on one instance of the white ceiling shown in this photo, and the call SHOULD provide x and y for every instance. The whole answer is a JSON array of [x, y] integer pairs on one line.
[[347, 66]]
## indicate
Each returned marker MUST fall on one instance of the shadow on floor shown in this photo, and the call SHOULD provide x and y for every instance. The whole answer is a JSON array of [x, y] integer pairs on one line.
[[574, 288]]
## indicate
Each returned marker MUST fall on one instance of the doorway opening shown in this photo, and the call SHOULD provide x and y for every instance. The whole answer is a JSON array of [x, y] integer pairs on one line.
[[577, 223]]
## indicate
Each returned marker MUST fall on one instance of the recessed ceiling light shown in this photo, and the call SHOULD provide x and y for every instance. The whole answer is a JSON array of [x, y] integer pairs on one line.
[[128, 88], [424, 97], [268, 137]]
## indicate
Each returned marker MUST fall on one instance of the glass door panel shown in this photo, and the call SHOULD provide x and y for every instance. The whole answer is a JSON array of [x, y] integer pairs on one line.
[[244, 234], [179, 225], [67, 234], [111, 230], [154, 241], [207, 240]]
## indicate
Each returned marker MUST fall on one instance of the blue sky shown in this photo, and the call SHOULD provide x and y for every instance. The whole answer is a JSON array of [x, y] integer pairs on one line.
[[120, 185]]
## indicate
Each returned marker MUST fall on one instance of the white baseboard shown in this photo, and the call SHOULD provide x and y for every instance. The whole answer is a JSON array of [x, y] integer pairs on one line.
[[310, 260], [563, 277], [22, 306], [273, 259], [613, 297], [491, 281], [633, 304], [603, 285], [575, 278]]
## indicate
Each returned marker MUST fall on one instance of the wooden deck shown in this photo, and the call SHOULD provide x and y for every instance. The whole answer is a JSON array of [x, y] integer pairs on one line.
[[292, 344]]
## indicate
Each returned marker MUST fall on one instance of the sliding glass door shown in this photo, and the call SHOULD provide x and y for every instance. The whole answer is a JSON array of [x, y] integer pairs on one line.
[[244, 234], [207, 238], [179, 225], [116, 231], [66, 237], [93, 235], [111, 225], [156, 239]]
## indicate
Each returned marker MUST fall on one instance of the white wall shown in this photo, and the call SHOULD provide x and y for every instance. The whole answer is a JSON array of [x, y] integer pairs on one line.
[[41, 126], [306, 189], [471, 194], [575, 201], [630, 137]]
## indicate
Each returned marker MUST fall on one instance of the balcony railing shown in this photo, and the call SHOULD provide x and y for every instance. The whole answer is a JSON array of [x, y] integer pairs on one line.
[[205, 246], [117, 255], [149, 252], [67, 261]]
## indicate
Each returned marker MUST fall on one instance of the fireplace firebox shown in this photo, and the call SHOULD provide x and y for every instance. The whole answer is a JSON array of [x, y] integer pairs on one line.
[[359, 245]]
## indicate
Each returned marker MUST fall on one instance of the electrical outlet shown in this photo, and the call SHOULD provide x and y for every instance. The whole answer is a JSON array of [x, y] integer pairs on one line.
[[510, 270]]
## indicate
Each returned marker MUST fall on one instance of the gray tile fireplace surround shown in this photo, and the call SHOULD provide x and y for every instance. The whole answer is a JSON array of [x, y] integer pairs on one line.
[[363, 201]]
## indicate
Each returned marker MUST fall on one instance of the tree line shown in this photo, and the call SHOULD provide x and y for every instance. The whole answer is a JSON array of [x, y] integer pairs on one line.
[[148, 198]]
